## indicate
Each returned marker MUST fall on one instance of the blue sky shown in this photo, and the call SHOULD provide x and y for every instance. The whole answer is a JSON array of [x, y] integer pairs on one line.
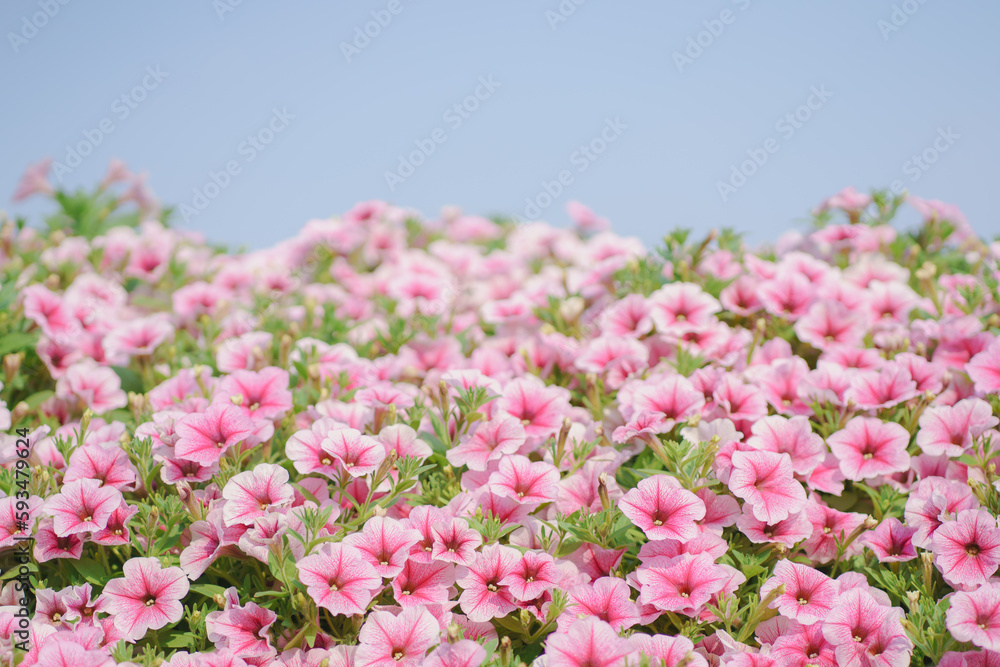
[[641, 108]]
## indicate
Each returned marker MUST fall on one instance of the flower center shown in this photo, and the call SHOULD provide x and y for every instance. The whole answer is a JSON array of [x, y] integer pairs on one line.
[[398, 655], [150, 600], [56, 616], [493, 588], [334, 587], [326, 460], [868, 456], [972, 549], [220, 445], [803, 601]]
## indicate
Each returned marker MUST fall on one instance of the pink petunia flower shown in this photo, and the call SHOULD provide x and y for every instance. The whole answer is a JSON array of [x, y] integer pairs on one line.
[[683, 583], [385, 544], [789, 436], [463, 653], [262, 394], [589, 642], [205, 436], [535, 573], [254, 493], [524, 480], [887, 387], [454, 541], [97, 387], [975, 617], [491, 440], [338, 578], [869, 447], [606, 598], [984, 369], [949, 430], [147, 597], [539, 407], [967, 550], [386, 640], [243, 630], [483, 596], [765, 481], [809, 594], [358, 454], [663, 509], [422, 584], [82, 506], [891, 541]]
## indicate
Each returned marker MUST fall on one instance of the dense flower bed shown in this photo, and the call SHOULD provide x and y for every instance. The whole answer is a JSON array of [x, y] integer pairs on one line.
[[392, 440]]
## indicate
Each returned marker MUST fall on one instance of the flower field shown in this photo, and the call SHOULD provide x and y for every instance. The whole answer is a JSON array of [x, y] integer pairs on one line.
[[459, 441]]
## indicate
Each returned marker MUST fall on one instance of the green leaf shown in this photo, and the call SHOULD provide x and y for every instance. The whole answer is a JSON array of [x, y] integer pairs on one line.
[[130, 379], [185, 640], [91, 570], [208, 590], [17, 341]]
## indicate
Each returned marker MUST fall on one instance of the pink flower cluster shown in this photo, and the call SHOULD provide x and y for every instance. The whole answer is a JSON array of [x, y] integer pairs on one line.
[[454, 442]]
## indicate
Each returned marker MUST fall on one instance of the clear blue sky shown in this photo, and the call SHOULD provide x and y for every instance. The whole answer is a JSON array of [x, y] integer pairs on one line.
[[681, 126]]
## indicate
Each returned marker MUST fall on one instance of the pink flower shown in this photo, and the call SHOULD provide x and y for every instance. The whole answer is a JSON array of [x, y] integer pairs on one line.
[[967, 550], [891, 541], [98, 387], [491, 440], [539, 407], [862, 629], [887, 387], [253, 494], [673, 651], [338, 578], [524, 480], [243, 630], [483, 596], [848, 200], [588, 643], [662, 509], [869, 447], [82, 506], [948, 430], [606, 598], [116, 533], [789, 436], [389, 641], [421, 584], [788, 531], [205, 436], [975, 617], [829, 526], [138, 337], [385, 544], [683, 583], [984, 369], [454, 541], [534, 573], [358, 454], [765, 481], [147, 597], [829, 323], [35, 180], [681, 307], [463, 653], [263, 394], [105, 462], [809, 594], [803, 646]]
